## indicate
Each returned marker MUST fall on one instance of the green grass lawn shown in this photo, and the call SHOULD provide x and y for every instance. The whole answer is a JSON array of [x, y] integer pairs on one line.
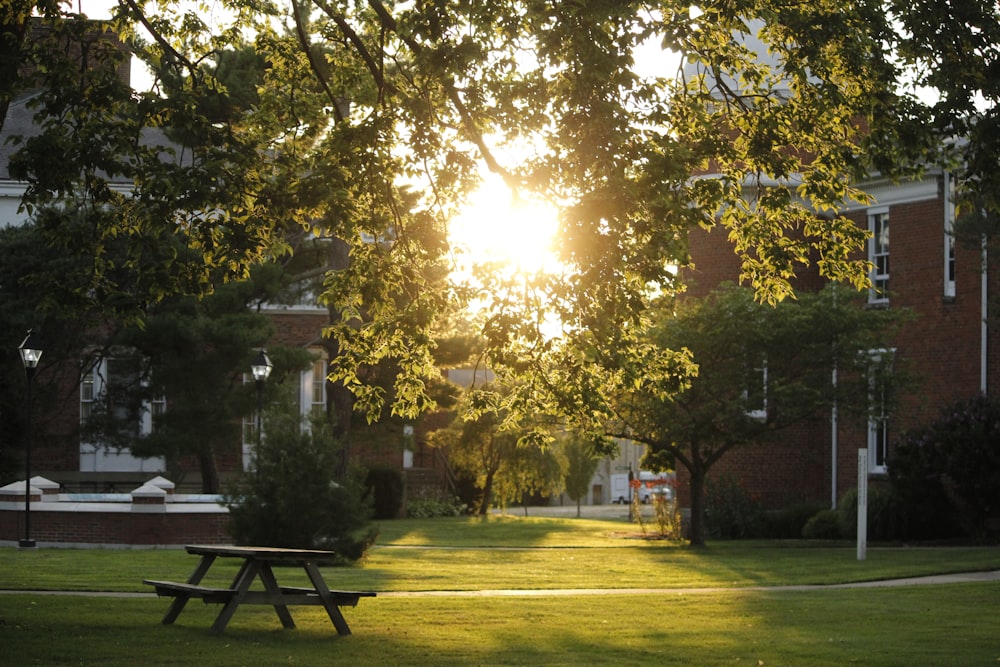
[[951, 624]]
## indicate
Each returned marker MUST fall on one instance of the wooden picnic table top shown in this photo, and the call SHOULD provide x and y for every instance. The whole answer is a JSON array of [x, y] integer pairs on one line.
[[277, 554]]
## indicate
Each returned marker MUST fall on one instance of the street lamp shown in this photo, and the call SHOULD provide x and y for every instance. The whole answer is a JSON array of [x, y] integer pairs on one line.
[[31, 352], [261, 370]]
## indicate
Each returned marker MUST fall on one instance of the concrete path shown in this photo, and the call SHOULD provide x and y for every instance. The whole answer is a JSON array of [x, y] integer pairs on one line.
[[958, 578]]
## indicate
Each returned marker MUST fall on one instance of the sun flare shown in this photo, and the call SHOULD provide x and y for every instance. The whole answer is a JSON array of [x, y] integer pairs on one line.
[[499, 227]]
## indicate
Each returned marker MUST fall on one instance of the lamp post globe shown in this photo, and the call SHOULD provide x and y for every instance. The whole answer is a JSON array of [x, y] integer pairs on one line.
[[31, 353]]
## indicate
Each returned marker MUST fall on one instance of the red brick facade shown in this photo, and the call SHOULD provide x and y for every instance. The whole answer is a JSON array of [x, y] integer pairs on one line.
[[941, 346]]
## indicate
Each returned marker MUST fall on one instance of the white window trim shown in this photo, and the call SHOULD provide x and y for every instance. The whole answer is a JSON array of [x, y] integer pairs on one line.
[[874, 296], [950, 267], [94, 456], [759, 414], [878, 421], [309, 381], [248, 430]]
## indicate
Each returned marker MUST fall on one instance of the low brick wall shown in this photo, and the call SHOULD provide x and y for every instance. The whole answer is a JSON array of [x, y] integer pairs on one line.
[[150, 516]]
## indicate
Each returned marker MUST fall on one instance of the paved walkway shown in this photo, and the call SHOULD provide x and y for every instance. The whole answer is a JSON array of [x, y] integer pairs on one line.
[[958, 578]]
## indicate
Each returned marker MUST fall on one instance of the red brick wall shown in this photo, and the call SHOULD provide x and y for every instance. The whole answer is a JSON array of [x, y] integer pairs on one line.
[[941, 347], [118, 528]]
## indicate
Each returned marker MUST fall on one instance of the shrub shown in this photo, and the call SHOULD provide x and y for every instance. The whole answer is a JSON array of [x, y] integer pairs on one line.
[[385, 485], [435, 506], [951, 469], [884, 516], [292, 497], [826, 524], [730, 511], [788, 522]]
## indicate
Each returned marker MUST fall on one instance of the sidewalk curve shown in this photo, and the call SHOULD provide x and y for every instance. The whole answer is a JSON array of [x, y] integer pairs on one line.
[[932, 580]]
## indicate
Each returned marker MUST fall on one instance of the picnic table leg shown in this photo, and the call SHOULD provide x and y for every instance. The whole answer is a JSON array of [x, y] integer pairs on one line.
[[177, 606], [241, 583], [332, 610], [271, 586]]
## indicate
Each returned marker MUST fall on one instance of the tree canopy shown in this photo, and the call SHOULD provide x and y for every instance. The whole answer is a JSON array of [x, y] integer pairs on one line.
[[371, 120]]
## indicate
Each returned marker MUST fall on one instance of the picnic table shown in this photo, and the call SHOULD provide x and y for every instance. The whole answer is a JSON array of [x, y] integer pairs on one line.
[[259, 563]]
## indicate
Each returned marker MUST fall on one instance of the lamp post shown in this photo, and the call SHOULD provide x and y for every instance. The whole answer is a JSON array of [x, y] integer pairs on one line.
[[31, 352], [261, 370]]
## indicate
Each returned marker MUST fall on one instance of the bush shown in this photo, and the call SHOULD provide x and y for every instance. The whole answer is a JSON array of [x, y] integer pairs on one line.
[[385, 485], [291, 497], [788, 522], [429, 507], [949, 472], [826, 524], [730, 511], [884, 516]]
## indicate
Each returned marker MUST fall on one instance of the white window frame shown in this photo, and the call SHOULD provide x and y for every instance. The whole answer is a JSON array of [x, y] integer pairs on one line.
[[312, 388], [95, 456], [949, 237], [878, 254], [249, 430], [757, 412], [878, 418]]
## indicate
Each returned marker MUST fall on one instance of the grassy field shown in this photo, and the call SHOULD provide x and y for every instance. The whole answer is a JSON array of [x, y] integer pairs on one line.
[[952, 624]]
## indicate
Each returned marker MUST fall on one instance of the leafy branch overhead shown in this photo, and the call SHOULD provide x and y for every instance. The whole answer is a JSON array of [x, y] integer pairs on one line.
[[369, 122]]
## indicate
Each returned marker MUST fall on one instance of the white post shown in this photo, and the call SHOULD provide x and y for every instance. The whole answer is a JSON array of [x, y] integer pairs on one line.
[[862, 503]]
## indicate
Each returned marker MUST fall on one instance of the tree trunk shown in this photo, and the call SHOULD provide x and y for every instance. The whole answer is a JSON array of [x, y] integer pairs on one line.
[[578, 501], [209, 471], [697, 528], [484, 506]]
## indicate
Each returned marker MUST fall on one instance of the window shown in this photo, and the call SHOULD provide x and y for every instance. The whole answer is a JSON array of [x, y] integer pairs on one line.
[[112, 404], [878, 255], [755, 394], [110, 391], [249, 430], [317, 395], [879, 370], [949, 238]]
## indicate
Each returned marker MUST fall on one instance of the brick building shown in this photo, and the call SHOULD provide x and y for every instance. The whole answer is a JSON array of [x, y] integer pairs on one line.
[[949, 286]]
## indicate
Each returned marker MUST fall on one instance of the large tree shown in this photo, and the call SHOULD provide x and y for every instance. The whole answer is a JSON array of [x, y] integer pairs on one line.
[[758, 370], [374, 117], [951, 48]]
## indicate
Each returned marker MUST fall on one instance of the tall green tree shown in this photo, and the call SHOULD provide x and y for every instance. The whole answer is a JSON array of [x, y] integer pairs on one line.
[[952, 50], [373, 119], [193, 354], [758, 370], [370, 121]]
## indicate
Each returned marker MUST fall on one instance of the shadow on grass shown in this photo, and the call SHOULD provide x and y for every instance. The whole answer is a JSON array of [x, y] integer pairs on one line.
[[918, 625]]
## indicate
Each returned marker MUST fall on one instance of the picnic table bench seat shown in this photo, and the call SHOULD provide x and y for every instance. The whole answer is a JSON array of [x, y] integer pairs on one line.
[[206, 593], [341, 598], [292, 594]]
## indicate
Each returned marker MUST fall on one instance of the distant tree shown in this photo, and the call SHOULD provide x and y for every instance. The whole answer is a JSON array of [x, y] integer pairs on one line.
[[582, 459], [756, 370], [478, 448], [505, 469], [531, 471]]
